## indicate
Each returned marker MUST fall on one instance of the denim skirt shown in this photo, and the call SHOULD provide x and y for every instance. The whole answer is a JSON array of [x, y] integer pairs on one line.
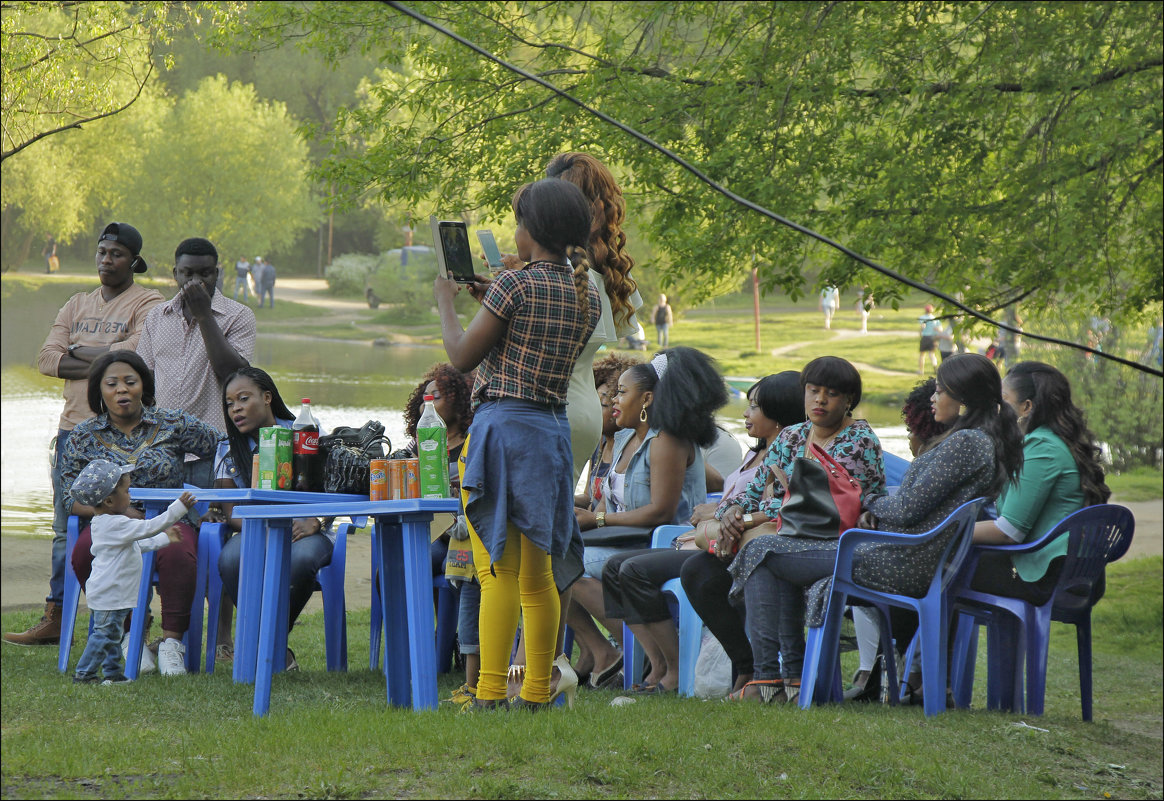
[[518, 469]]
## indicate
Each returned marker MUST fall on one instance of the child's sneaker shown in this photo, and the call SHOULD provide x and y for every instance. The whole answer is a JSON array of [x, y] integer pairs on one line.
[[83, 679], [116, 682], [172, 658]]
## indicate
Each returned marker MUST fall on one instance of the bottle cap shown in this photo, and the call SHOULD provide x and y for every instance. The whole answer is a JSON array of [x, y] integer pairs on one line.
[[428, 397], [305, 400]]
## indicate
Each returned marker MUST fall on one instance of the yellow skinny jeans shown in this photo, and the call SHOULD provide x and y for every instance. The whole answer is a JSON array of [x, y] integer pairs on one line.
[[520, 582]]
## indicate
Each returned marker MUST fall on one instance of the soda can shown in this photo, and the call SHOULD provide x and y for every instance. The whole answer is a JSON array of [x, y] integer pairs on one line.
[[378, 480], [396, 485], [411, 478]]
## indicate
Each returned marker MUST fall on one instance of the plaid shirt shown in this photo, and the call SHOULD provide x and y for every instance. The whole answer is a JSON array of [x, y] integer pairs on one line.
[[175, 351], [545, 333]]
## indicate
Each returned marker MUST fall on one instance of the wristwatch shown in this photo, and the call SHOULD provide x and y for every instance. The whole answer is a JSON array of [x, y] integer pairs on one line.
[[747, 519], [600, 519], [73, 347]]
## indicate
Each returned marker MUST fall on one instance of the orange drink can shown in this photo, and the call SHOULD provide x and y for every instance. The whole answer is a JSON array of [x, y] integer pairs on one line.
[[255, 472], [396, 485], [411, 478], [378, 480]]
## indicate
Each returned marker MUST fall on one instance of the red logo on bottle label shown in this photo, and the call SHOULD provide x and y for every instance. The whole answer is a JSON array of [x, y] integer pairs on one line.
[[305, 442]]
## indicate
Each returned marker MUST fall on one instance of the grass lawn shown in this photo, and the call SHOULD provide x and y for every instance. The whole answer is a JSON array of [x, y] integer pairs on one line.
[[330, 735]]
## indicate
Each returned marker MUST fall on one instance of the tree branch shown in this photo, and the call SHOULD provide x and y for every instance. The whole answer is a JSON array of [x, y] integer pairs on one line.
[[79, 123]]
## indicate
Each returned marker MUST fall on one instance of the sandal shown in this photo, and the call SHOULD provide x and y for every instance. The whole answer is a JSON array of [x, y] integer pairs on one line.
[[606, 677], [768, 691], [514, 678]]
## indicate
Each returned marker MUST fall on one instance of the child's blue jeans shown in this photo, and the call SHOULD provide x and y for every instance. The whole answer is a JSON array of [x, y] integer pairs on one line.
[[104, 647]]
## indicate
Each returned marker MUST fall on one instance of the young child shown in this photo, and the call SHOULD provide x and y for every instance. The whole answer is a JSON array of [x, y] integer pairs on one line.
[[118, 542]]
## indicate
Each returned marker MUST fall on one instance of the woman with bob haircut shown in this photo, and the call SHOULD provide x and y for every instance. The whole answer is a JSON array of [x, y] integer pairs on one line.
[[775, 619]]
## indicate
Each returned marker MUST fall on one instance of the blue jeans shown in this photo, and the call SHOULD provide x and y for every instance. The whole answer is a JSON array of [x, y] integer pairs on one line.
[[240, 282], [663, 335], [308, 555], [103, 650], [268, 292], [60, 526], [468, 619], [595, 556], [774, 598]]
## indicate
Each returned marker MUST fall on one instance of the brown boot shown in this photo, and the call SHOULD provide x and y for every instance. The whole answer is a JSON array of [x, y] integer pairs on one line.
[[46, 632]]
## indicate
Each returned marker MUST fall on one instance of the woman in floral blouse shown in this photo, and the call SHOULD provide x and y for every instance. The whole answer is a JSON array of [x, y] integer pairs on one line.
[[775, 611], [130, 429]]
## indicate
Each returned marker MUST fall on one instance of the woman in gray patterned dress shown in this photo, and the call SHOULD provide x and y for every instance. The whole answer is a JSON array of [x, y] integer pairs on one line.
[[980, 452]]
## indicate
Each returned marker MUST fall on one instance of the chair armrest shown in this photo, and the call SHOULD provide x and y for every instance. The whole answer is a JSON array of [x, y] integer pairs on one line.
[[662, 536]]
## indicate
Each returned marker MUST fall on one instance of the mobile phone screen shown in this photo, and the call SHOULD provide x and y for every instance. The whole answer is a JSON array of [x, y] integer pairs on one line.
[[458, 254], [489, 245]]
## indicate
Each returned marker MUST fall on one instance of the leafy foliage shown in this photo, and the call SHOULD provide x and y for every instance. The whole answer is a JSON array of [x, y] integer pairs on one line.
[[225, 165], [348, 274], [1003, 149]]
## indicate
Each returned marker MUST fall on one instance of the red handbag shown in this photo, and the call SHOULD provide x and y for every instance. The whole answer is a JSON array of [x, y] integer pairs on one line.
[[821, 501]]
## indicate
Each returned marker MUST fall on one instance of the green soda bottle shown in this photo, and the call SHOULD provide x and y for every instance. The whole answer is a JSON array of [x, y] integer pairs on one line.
[[432, 452]]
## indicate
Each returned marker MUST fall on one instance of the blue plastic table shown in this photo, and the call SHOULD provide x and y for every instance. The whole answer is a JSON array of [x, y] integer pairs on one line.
[[405, 585], [252, 557]]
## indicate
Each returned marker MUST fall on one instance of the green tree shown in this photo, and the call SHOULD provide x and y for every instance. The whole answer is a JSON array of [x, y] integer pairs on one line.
[[225, 165], [1012, 148], [67, 64]]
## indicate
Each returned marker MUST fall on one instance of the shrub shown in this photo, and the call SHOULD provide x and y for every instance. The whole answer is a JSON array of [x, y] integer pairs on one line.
[[348, 273]]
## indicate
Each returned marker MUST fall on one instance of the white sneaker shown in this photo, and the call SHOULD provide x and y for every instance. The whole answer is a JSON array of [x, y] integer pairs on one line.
[[172, 658], [148, 663]]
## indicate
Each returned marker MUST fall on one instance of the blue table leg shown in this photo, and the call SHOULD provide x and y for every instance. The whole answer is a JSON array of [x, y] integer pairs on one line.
[[393, 593], [250, 601], [273, 622], [421, 628]]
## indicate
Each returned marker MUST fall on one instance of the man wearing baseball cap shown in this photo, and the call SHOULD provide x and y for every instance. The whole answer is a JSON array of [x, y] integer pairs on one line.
[[110, 317]]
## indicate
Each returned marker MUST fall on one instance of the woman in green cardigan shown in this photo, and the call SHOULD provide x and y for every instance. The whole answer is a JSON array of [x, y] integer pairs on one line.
[[1061, 474]]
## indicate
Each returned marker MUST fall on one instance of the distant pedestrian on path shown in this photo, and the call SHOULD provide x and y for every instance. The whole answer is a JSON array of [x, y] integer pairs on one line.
[[664, 318], [929, 333], [830, 301], [264, 281], [865, 305], [51, 263], [242, 272]]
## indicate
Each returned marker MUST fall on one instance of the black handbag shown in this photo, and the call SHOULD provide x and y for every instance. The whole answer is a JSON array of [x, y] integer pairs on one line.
[[350, 452], [622, 536], [822, 501]]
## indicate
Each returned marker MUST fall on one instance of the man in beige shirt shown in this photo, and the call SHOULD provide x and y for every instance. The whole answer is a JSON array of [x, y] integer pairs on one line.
[[89, 324]]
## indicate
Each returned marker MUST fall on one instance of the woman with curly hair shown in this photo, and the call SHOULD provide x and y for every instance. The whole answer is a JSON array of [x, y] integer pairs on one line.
[[452, 399], [1061, 473], [609, 272]]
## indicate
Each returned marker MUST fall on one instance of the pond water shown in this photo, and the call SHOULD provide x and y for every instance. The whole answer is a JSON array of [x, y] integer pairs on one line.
[[348, 383]]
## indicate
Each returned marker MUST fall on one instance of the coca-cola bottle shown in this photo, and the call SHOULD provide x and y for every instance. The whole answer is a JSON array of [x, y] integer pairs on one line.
[[306, 464]]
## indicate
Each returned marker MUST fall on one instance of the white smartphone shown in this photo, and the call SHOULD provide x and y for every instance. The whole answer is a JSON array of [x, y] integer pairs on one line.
[[450, 238], [489, 246]]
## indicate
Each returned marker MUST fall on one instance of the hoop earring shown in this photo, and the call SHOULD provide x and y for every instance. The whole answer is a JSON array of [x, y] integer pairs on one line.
[[643, 414]]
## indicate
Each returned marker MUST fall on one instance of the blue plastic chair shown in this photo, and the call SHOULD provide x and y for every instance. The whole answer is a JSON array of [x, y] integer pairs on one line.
[[1019, 631], [329, 579], [821, 675], [447, 610], [895, 467], [690, 625]]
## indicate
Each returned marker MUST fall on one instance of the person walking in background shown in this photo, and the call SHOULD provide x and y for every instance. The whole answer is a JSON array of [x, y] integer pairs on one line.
[[242, 272], [663, 317], [830, 301], [929, 333], [196, 340], [265, 281], [865, 305], [110, 317], [51, 263]]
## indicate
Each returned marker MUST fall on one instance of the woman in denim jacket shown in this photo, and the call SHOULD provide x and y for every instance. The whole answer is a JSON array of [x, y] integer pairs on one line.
[[666, 412]]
